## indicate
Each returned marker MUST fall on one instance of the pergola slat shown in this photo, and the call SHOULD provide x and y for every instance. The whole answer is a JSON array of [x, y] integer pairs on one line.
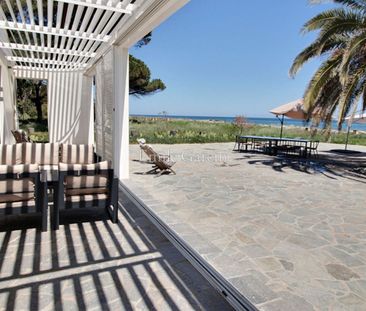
[[107, 18], [12, 14], [64, 32], [108, 7], [43, 61], [53, 68], [53, 31], [45, 49], [31, 18], [83, 26], [65, 41], [22, 18]]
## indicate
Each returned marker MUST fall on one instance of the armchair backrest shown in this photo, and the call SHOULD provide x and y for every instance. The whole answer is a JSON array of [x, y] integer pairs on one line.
[[11, 154], [81, 179], [41, 153], [77, 154]]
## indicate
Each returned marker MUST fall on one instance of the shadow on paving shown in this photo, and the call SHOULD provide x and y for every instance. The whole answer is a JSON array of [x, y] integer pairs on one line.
[[331, 165], [129, 265]]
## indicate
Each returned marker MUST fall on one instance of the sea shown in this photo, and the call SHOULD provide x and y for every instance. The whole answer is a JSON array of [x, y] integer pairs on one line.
[[261, 121]]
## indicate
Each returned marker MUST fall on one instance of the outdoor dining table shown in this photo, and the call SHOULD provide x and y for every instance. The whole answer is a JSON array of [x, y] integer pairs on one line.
[[274, 144]]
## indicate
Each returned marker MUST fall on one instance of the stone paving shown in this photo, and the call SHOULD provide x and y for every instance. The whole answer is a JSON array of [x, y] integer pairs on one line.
[[288, 234], [97, 265]]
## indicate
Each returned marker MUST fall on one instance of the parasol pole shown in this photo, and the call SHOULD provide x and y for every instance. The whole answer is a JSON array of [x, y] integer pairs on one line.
[[348, 131], [281, 120]]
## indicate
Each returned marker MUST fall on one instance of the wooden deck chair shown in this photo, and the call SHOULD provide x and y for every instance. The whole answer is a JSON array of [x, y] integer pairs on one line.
[[162, 163], [21, 136]]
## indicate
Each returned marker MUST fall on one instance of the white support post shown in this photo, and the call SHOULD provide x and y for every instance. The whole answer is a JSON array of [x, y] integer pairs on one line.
[[121, 112]]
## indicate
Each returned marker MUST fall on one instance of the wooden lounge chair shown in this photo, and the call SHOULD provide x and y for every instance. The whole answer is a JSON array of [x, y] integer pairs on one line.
[[21, 136], [162, 163], [86, 185], [22, 192]]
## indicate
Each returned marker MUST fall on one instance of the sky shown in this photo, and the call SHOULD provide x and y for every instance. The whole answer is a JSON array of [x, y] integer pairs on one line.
[[228, 58]]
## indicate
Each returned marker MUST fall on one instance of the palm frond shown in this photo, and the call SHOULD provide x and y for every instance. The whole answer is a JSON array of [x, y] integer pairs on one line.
[[338, 27], [316, 49], [355, 51], [327, 101], [354, 4], [329, 17], [350, 95], [325, 72]]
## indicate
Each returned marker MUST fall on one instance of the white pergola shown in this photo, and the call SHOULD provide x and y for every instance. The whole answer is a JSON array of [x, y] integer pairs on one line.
[[81, 48]]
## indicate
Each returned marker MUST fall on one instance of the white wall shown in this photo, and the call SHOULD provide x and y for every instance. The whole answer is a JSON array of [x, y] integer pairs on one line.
[[70, 110]]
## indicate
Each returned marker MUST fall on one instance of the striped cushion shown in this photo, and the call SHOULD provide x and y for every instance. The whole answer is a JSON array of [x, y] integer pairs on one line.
[[72, 154], [86, 184], [11, 154], [83, 191], [105, 165], [85, 198], [21, 168], [16, 197], [15, 186], [14, 190], [44, 154], [77, 182]]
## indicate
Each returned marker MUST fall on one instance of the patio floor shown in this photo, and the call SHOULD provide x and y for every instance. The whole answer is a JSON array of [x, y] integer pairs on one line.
[[288, 234], [96, 265]]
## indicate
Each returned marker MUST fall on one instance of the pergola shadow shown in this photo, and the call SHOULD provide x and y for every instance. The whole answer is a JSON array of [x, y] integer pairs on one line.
[[98, 264]]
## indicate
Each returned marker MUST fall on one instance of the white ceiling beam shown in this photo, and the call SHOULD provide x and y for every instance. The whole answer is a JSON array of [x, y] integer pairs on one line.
[[53, 31], [44, 61], [44, 49], [107, 7], [38, 69]]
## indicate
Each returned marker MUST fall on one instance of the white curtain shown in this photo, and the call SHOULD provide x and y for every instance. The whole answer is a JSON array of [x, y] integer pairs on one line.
[[8, 116], [104, 107]]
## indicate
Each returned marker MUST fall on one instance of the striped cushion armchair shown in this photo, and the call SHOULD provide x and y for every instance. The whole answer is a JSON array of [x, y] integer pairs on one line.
[[86, 185], [22, 192], [46, 155]]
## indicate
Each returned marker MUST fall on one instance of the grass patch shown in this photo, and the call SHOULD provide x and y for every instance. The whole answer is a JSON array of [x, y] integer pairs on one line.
[[161, 131]]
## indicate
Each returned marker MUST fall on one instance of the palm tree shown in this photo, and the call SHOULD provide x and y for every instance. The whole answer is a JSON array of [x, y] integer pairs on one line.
[[340, 81]]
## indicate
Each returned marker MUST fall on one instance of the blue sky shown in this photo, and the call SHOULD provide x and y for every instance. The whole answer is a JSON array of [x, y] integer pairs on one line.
[[227, 58]]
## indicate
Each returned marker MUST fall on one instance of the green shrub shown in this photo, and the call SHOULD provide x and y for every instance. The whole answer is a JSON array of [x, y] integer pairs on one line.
[[39, 137]]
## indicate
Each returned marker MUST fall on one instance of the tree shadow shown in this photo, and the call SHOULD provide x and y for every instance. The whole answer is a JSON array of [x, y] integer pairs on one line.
[[329, 165]]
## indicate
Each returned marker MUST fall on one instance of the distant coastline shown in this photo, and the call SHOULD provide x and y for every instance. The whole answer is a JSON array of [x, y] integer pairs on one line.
[[259, 121]]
